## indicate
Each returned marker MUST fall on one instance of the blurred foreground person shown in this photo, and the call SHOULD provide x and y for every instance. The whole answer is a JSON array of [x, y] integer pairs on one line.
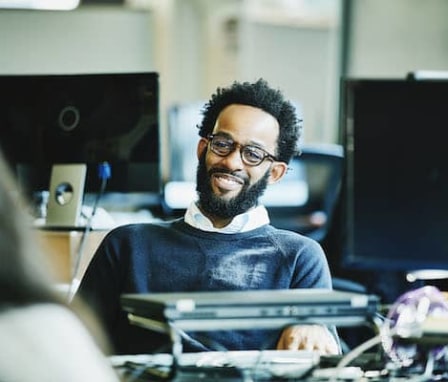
[[42, 339]]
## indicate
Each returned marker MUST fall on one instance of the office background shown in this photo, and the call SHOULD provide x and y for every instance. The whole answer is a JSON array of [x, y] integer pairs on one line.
[[300, 46], [303, 47]]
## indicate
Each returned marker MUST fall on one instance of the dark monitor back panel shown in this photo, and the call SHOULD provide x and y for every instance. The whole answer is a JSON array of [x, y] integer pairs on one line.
[[396, 173], [82, 118]]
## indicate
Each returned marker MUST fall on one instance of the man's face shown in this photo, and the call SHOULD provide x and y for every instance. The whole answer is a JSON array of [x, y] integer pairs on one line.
[[223, 207], [226, 185]]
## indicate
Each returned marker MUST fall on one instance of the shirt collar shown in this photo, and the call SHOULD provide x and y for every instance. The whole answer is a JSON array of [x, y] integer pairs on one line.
[[254, 218]]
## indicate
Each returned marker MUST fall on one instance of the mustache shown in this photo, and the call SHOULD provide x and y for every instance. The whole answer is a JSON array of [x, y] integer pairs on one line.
[[236, 174]]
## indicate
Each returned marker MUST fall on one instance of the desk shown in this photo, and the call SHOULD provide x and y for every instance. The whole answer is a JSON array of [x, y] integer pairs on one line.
[[268, 366], [251, 365], [61, 250]]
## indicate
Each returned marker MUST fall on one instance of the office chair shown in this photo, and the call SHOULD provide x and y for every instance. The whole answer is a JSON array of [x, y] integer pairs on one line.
[[320, 167]]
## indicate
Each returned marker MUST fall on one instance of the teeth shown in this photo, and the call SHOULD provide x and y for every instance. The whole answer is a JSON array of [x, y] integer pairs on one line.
[[229, 179]]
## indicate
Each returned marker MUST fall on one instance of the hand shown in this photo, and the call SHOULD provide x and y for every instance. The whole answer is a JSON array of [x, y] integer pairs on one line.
[[308, 337]]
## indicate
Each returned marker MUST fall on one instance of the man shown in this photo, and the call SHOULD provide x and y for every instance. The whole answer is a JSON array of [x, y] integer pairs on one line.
[[248, 135]]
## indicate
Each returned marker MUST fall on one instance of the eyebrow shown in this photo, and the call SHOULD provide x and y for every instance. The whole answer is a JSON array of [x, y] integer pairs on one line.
[[251, 143]]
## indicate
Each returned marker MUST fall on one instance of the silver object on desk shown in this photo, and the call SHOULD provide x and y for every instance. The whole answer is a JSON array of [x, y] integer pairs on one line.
[[269, 309]]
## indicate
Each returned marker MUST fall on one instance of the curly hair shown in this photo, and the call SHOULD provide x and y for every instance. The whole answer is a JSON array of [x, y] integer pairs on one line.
[[258, 94]]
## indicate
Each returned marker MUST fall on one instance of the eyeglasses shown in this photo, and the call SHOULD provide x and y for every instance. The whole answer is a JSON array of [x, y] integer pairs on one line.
[[250, 155]]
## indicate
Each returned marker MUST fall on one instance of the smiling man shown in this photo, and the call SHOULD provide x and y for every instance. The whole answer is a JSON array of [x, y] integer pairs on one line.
[[248, 134], [235, 174]]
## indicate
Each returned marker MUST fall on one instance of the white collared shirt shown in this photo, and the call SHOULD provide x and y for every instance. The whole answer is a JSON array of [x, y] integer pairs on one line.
[[247, 221]]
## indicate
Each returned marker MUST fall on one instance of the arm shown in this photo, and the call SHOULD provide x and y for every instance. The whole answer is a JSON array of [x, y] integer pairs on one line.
[[312, 271], [100, 287], [120, 265]]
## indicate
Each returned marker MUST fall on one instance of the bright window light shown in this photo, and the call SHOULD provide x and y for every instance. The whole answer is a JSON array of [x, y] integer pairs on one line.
[[60, 5]]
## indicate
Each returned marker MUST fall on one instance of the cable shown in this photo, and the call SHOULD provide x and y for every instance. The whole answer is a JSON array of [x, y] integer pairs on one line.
[[355, 353], [104, 173]]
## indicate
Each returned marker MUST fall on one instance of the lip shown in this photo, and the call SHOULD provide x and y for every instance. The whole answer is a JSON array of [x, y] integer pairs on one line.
[[226, 182]]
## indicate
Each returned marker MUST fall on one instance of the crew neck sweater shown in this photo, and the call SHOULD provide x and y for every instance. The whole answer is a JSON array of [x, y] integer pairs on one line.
[[176, 257]]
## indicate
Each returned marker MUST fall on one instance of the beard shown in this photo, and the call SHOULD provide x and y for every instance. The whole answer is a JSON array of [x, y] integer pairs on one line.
[[219, 207]]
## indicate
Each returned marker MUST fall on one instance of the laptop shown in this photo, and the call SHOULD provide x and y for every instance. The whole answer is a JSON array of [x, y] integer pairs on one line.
[[249, 309]]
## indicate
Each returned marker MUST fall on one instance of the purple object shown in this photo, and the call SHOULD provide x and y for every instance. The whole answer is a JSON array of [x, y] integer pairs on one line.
[[404, 321]]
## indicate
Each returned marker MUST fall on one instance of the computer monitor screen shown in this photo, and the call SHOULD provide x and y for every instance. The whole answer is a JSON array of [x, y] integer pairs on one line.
[[82, 118], [396, 173]]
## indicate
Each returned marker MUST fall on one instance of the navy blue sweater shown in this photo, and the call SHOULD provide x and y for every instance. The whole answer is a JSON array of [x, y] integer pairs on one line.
[[175, 257]]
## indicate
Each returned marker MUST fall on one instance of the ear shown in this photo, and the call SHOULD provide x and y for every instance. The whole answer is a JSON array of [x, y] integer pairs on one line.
[[278, 170], [202, 145]]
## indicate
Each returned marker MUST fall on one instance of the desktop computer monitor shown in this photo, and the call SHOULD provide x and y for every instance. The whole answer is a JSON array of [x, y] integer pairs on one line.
[[395, 192], [82, 118]]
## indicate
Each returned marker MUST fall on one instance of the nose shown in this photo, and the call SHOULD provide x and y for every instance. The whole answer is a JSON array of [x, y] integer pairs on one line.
[[233, 161]]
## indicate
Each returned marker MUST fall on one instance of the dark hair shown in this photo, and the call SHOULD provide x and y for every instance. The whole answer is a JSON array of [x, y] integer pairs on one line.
[[22, 276], [258, 94]]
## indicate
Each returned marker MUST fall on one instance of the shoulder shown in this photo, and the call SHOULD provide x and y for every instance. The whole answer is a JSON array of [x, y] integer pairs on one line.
[[304, 255], [304, 249], [45, 316], [293, 239], [53, 332], [141, 229], [130, 240]]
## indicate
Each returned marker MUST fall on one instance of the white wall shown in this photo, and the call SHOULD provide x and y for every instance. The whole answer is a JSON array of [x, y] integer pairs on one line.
[[305, 65], [89, 39], [214, 42], [390, 38]]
